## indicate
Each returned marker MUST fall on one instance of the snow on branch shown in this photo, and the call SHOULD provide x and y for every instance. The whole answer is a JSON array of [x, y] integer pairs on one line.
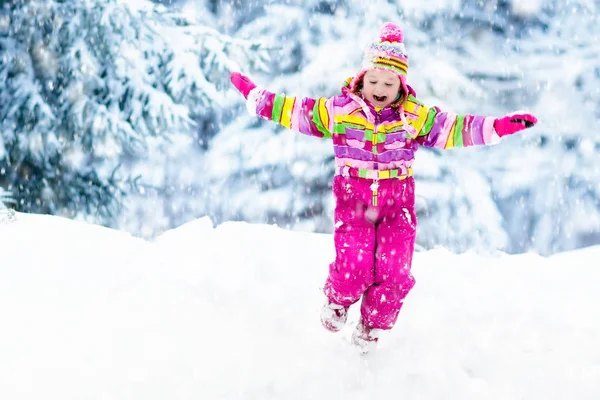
[[83, 85]]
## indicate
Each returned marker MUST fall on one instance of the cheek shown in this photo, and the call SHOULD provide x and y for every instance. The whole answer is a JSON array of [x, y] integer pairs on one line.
[[392, 91]]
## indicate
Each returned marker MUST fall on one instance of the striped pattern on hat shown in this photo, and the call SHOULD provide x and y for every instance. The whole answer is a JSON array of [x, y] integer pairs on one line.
[[387, 52]]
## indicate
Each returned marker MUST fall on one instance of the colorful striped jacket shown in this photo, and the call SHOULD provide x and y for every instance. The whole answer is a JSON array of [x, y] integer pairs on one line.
[[370, 143]]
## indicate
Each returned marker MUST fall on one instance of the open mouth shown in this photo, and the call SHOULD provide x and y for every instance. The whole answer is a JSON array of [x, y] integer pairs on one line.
[[380, 98]]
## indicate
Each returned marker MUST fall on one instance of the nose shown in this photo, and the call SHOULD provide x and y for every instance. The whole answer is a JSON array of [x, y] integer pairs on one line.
[[379, 90]]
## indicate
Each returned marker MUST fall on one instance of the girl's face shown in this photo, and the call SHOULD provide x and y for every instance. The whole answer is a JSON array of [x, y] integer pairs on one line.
[[380, 87]]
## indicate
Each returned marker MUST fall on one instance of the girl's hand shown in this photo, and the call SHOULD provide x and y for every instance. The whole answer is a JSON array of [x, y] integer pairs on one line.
[[242, 83], [513, 123]]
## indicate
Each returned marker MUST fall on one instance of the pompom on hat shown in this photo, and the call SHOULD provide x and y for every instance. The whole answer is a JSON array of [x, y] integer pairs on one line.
[[387, 52]]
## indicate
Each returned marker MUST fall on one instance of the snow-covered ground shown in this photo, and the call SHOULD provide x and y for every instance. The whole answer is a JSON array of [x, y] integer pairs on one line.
[[233, 313]]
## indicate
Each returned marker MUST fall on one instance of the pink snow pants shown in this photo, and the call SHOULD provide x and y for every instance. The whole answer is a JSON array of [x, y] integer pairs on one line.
[[374, 247]]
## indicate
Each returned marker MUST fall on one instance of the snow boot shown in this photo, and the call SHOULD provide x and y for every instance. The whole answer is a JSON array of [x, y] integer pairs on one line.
[[334, 316], [365, 338]]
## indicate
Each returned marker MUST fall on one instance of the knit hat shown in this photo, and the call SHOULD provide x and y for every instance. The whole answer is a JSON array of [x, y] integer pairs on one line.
[[387, 52]]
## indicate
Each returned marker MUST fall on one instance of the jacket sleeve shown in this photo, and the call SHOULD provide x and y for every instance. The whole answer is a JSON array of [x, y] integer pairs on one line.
[[309, 116], [445, 130]]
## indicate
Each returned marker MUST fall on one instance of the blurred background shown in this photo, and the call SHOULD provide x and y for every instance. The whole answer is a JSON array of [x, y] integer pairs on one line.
[[120, 112]]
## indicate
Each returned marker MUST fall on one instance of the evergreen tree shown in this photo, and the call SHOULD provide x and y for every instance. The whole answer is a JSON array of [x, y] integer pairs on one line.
[[171, 188], [5, 198], [83, 85], [6, 214], [283, 177], [549, 190], [466, 56], [273, 175]]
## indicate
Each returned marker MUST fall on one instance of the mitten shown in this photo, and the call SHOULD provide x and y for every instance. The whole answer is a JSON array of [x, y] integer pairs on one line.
[[513, 123], [242, 83]]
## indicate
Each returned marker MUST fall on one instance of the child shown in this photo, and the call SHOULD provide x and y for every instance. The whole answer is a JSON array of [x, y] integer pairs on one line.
[[376, 126]]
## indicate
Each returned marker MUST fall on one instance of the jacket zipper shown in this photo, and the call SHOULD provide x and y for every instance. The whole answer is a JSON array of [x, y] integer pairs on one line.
[[375, 185]]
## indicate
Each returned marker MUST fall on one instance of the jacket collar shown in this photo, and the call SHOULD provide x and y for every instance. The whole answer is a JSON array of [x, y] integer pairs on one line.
[[370, 111]]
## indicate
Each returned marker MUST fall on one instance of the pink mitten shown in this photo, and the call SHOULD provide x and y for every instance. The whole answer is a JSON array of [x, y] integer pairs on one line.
[[242, 83], [513, 123]]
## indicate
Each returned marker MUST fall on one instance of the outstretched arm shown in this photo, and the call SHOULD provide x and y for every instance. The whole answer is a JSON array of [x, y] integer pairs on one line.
[[446, 130], [312, 117]]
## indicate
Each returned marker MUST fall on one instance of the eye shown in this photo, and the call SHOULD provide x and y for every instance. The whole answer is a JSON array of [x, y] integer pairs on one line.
[[372, 83], [388, 84]]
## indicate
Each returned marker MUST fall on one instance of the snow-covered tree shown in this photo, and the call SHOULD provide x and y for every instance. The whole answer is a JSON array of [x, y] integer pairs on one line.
[[5, 198], [6, 214], [95, 95], [84, 84], [285, 178], [544, 182], [467, 56], [549, 190], [171, 186], [272, 175]]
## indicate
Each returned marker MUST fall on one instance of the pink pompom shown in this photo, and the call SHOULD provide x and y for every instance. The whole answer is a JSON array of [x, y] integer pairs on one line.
[[390, 32]]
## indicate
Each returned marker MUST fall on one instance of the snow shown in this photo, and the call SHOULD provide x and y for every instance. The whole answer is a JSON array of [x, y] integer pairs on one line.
[[232, 312], [526, 9]]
